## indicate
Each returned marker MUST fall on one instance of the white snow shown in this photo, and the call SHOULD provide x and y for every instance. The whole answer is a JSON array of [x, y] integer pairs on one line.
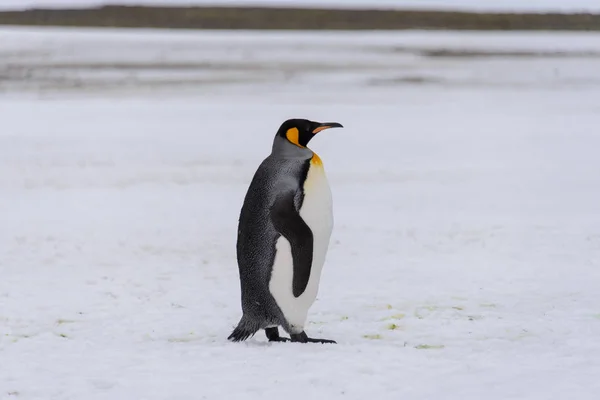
[[469, 5], [464, 260]]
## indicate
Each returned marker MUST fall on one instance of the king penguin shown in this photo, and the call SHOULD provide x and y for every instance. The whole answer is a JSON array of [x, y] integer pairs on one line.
[[284, 229]]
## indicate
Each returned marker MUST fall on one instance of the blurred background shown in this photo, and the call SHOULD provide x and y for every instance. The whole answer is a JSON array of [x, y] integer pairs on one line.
[[464, 258], [219, 45]]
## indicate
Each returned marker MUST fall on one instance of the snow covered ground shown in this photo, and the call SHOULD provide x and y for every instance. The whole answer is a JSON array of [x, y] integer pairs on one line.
[[464, 261], [469, 5]]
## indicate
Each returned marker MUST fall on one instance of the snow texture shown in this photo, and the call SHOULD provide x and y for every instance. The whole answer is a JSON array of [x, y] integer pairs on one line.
[[469, 5], [464, 260]]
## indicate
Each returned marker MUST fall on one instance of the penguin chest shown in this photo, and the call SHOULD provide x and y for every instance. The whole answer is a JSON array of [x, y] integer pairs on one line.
[[317, 213]]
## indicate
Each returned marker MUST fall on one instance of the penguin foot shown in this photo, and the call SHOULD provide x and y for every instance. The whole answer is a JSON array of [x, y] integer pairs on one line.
[[273, 335], [303, 338]]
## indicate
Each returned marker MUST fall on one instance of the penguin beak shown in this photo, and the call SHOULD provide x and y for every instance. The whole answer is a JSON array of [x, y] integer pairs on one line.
[[326, 125]]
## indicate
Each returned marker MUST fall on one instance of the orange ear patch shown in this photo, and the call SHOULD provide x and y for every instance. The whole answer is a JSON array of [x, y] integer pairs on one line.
[[293, 135]]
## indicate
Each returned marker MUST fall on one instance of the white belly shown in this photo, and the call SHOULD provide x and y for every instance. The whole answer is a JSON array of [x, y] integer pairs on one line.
[[317, 212]]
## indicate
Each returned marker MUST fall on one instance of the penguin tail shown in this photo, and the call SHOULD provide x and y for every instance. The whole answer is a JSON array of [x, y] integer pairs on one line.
[[245, 329]]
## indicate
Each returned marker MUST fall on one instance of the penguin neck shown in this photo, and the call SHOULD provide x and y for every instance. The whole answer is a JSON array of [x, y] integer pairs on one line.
[[283, 148]]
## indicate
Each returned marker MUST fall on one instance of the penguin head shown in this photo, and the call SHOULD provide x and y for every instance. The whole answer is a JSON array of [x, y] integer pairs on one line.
[[300, 131]]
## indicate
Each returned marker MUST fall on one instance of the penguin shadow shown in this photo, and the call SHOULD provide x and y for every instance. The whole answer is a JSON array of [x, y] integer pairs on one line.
[[270, 336], [257, 343], [214, 338], [266, 344]]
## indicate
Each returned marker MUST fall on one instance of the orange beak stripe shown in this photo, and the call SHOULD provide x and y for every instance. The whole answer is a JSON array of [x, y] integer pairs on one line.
[[321, 128]]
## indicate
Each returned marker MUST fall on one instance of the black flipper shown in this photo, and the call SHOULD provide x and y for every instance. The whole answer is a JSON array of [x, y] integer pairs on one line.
[[291, 226]]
